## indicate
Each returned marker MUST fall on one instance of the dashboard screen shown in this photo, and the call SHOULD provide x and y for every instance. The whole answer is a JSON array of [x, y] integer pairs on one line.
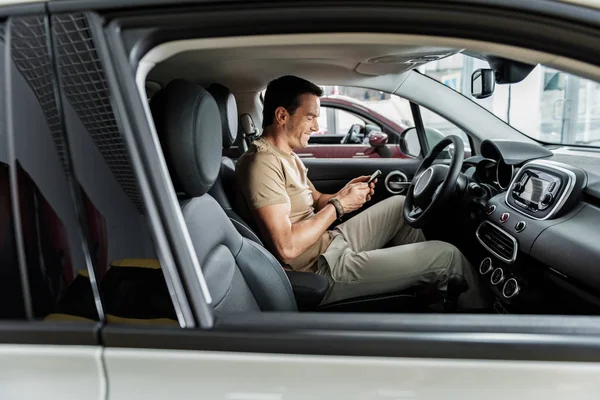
[[534, 188]]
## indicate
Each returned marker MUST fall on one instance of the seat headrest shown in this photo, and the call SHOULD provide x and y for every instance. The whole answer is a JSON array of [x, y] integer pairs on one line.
[[187, 121], [247, 124], [229, 113]]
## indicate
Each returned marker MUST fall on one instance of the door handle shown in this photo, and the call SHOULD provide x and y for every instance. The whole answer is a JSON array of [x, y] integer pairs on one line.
[[398, 185], [396, 182]]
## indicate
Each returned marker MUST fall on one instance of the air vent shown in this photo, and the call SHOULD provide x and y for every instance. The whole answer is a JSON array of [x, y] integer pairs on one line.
[[497, 242]]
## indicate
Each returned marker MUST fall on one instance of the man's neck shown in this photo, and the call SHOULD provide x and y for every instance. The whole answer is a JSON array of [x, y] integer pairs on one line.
[[277, 140]]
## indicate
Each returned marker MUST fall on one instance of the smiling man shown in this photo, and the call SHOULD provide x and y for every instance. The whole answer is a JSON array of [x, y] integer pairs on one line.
[[374, 252]]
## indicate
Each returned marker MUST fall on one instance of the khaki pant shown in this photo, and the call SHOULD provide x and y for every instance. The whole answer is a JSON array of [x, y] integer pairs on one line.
[[377, 252]]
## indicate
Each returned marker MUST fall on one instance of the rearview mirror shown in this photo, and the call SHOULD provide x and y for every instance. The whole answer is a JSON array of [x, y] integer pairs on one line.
[[483, 82]]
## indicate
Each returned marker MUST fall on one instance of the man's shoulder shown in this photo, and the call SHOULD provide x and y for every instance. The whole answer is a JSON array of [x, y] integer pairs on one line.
[[256, 159]]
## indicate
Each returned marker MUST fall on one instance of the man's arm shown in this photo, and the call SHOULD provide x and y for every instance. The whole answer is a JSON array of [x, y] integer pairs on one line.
[[321, 199], [291, 240]]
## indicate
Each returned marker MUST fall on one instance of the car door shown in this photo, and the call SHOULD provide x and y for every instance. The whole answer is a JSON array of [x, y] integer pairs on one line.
[[311, 355]]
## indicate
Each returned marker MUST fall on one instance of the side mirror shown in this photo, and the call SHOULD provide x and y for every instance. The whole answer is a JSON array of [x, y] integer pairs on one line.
[[378, 142], [483, 82], [410, 142], [371, 128], [378, 139]]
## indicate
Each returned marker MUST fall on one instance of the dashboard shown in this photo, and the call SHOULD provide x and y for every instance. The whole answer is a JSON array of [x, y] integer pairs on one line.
[[540, 217]]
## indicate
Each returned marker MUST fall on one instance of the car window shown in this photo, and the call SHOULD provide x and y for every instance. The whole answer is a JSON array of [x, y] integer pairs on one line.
[[55, 272], [333, 121], [130, 278], [436, 128], [12, 305], [548, 105], [368, 112], [376, 103], [84, 250]]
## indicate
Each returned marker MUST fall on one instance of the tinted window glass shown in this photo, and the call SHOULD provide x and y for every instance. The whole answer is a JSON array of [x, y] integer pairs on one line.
[[54, 262], [131, 281], [11, 294]]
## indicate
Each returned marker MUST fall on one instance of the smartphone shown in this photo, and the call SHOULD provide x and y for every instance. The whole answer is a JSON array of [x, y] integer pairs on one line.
[[374, 176]]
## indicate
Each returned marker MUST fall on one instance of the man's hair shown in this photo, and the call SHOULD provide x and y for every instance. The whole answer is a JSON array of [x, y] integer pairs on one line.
[[285, 92]]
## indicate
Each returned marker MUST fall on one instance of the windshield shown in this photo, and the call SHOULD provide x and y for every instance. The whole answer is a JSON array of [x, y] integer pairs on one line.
[[548, 105]]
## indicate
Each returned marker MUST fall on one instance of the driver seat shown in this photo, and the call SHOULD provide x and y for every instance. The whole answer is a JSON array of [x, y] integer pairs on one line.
[[240, 274]]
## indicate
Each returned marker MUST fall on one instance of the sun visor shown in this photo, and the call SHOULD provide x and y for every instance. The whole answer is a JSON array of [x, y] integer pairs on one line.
[[401, 62]]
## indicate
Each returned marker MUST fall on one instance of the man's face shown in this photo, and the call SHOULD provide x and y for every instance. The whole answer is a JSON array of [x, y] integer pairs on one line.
[[300, 125]]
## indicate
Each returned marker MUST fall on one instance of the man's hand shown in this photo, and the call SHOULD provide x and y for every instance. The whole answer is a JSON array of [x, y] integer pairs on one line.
[[364, 178], [354, 195]]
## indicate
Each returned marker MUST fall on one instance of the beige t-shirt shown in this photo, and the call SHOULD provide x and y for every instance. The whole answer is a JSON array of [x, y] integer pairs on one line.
[[269, 176]]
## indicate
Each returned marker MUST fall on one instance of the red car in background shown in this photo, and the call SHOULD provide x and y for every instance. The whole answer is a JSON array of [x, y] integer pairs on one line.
[[349, 129]]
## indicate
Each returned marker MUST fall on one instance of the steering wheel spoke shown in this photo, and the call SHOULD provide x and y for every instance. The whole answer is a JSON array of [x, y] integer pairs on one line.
[[415, 212], [437, 192]]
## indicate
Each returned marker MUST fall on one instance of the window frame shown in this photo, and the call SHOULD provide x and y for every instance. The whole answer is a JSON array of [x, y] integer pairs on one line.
[[471, 336]]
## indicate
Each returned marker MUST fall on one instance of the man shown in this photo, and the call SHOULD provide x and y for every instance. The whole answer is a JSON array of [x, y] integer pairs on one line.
[[374, 252]]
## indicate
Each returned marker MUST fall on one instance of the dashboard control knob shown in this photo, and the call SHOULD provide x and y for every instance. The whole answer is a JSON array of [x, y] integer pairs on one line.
[[520, 226], [504, 217], [497, 276], [546, 199], [490, 209], [511, 288], [485, 266]]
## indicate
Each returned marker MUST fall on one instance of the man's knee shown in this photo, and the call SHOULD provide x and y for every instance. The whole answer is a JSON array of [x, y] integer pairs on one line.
[[450, 258], [398, 200], [395, 203]]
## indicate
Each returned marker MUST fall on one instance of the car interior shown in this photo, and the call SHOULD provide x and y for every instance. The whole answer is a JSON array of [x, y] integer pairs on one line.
[[522, 211]]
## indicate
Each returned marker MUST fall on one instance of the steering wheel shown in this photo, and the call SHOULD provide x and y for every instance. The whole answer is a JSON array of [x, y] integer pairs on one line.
[[433, 184], [353, 135]]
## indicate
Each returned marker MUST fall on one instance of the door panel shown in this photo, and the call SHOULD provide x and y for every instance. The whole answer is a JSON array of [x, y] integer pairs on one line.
[[346, 151], [262, 356], [330, 175], [52, 372], [218, 375]]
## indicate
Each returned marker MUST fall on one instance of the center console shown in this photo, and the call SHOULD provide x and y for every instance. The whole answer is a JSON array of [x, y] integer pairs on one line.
[[541, 194]]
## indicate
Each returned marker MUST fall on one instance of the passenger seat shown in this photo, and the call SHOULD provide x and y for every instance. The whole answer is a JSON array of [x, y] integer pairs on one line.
[[224, 189]]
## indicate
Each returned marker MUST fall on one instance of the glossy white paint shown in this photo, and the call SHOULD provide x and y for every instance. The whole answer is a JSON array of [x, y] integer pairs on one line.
[[162, 374], [51, 372], [586, 3], [15, 2]]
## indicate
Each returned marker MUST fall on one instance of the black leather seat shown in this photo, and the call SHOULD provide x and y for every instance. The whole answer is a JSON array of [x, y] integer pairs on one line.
[[224, 189], [241, 275], [309, 289]]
